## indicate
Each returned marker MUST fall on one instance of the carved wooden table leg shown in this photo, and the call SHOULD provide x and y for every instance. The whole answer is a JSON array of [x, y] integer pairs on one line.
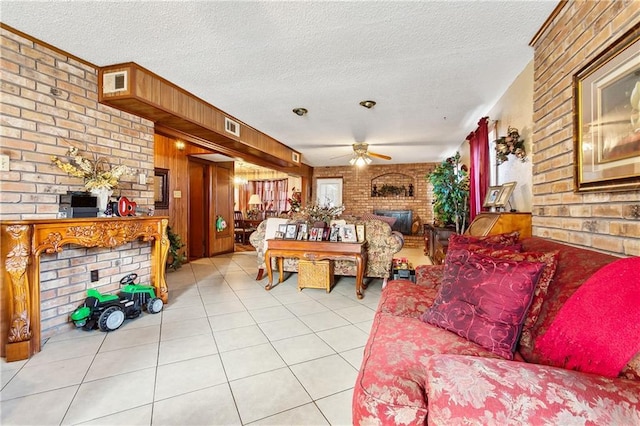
[[160, 251], [18, 304], [359, 276], [267, 259]]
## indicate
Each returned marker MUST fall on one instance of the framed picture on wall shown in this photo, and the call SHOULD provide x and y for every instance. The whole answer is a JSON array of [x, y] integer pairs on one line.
[[607, 118], [161, 188]]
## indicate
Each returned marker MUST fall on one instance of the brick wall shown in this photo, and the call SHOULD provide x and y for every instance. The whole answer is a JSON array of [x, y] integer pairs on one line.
[[357, 186], [606, 221], [49, 98]]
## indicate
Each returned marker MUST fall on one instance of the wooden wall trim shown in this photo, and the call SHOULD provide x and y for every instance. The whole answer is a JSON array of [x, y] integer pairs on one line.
[[155, 98]]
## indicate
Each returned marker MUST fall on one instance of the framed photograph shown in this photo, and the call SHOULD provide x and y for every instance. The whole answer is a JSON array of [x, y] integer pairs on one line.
[[302, 231], [161, 188], [492, 196], [292, 231], [349, 233], [313, 236], [505, 194], [360, 232], [278, 235], [334, 233], [607, 118]]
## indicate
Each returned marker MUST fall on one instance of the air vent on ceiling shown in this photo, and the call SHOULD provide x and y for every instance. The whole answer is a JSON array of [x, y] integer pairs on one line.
[[113, 82], [232, 127]]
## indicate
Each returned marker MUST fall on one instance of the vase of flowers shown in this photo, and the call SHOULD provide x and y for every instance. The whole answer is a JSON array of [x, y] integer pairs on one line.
[[99, 177]]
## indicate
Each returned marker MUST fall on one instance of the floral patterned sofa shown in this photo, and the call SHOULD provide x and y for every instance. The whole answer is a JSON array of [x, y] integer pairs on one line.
[[382, 244], [414, 372]]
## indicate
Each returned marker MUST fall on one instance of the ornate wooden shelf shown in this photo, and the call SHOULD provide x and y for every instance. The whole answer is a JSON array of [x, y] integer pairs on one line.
[[23, 241]]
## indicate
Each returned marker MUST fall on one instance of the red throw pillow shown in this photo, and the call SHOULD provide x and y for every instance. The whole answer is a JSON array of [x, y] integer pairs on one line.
[[507, 239], [550, 260], [485, 299]]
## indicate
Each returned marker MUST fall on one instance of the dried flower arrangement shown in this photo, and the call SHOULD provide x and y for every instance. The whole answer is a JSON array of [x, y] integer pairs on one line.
[[510, 144], [97, 173]]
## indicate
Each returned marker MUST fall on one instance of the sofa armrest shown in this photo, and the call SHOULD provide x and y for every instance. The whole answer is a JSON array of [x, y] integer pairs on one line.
[[429, 275], [475, 390]]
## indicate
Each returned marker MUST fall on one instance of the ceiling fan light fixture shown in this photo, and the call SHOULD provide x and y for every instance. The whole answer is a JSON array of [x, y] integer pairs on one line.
[[300, 111], [368, 104]]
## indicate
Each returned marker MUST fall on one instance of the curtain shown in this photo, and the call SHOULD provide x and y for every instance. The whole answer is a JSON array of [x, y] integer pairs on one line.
[[273, 193], [479, 170]]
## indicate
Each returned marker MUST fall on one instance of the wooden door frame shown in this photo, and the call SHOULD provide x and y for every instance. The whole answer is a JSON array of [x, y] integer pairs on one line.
[[207, 188]]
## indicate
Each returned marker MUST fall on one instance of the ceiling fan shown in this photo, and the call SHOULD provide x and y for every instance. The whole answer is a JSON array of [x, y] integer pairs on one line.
[[362, 155]]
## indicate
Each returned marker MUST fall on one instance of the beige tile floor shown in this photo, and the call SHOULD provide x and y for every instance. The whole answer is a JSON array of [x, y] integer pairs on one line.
[[224, 351]]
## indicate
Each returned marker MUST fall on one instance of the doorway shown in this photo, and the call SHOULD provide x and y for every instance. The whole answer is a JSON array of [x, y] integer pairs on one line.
[[198, 210]]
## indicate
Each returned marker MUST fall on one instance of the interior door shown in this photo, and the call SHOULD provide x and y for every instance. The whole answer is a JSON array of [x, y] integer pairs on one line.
[[198, 212]]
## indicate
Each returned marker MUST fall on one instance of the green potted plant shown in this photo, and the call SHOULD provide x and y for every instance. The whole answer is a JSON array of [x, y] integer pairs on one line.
[[450, 181], [175, 258]]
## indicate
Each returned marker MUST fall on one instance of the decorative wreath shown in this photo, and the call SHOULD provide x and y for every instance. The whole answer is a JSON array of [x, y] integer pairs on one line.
[[510, 144]]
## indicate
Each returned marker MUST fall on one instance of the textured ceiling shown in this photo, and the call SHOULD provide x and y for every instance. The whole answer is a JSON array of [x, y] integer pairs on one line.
[[433, 67]]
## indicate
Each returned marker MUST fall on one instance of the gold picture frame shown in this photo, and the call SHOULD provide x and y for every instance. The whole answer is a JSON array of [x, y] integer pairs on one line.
[[492, 196], [505, 194], [607, 118]]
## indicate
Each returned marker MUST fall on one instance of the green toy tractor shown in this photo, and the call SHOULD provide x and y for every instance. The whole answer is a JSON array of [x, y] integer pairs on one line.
[[108, 311]]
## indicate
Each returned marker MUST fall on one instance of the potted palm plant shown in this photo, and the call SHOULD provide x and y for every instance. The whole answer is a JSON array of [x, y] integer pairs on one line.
[[450, 181]]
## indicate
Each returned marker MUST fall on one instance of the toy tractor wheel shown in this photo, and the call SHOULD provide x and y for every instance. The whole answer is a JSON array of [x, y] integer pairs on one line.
[[155, 305], [111, 319]]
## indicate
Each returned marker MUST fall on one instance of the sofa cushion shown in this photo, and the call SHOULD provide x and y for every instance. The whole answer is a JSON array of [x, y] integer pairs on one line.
[[609, 303], [550, 260], [467, 390], [390, 388], [575, 266], [485, 299]]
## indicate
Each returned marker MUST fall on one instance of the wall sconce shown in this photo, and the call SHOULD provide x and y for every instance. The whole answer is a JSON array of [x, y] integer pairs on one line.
[[180, 145]]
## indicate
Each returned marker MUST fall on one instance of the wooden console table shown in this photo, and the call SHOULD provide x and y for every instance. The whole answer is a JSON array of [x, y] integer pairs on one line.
[[23, 241], [317, 250]]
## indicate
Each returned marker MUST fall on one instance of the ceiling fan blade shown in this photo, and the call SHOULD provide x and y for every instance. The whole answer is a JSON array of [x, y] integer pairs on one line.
[[381, 156]]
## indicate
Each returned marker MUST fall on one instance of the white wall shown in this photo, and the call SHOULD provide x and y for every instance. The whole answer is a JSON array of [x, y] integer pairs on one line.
[[515, 109]]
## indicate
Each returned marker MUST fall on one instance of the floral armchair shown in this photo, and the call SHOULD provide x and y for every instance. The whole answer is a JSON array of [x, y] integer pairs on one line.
[[382, 244]]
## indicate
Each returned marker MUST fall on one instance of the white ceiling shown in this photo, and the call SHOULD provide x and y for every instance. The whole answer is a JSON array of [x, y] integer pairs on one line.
[[433, 67]]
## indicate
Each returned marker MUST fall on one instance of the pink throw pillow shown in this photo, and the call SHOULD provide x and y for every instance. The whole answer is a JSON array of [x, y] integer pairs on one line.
[[485, 299]]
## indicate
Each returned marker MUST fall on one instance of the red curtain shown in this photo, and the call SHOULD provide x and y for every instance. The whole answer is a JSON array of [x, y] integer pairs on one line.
[[479, 170], [273, 193]]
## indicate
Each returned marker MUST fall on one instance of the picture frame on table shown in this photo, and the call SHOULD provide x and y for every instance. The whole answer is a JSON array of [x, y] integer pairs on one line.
[[334, 233], [492, 196], [349, 233], [313, 235], [291, 232], [302, 231], [505, 194], [360, 232], [606, 94]]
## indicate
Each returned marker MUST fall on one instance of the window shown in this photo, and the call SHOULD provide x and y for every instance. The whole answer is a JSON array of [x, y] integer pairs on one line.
[[329, 192]]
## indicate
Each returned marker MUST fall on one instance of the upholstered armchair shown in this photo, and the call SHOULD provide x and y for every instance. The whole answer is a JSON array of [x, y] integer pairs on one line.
[[382, 244]]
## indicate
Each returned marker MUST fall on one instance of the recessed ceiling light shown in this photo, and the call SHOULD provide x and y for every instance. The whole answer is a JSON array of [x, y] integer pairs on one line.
[[300, 111], [368, 104]]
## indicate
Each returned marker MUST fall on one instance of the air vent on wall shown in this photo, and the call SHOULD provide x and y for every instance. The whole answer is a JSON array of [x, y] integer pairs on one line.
[[113, 82], [232, 127]]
